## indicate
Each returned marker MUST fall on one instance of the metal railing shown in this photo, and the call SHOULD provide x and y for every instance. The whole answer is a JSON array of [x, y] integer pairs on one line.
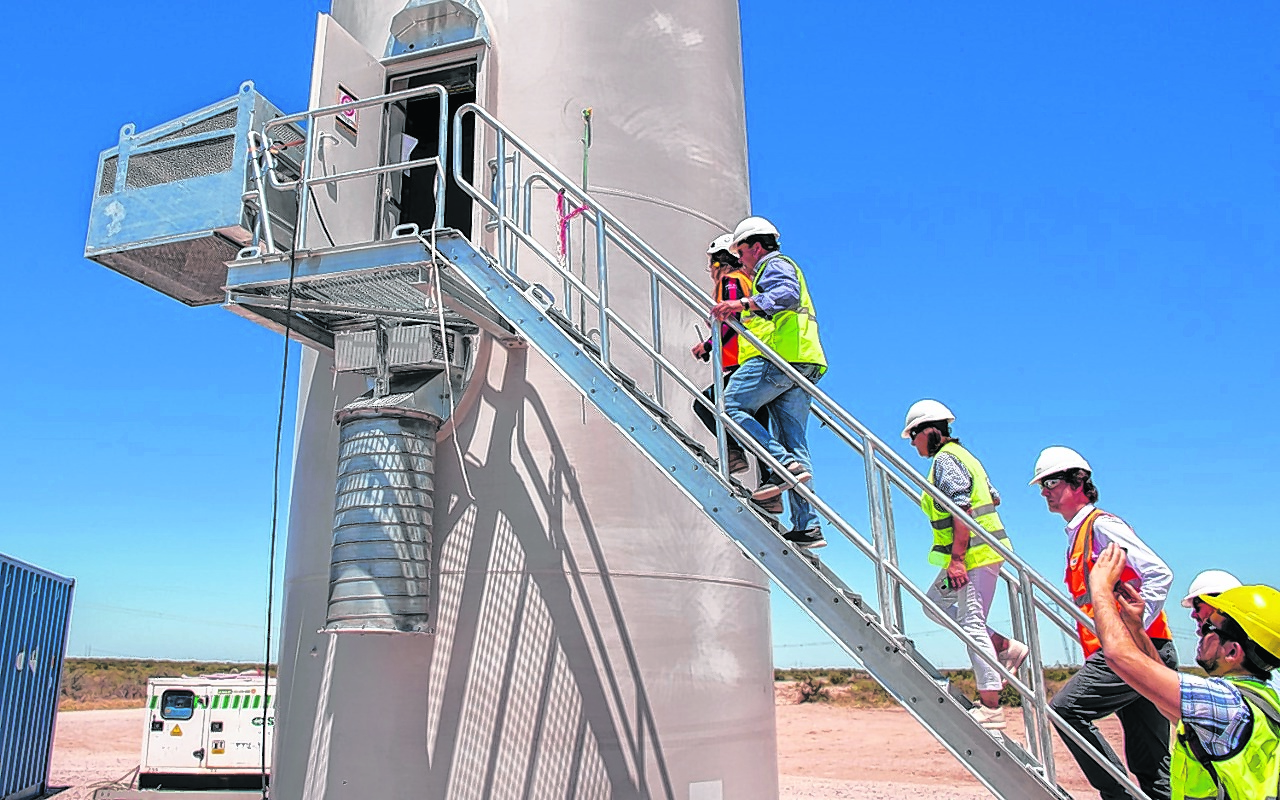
[[509, 201], [511, 210], [305, 184]]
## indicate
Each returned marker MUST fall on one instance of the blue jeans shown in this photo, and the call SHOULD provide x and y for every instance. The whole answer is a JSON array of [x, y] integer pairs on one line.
[[759, 383]]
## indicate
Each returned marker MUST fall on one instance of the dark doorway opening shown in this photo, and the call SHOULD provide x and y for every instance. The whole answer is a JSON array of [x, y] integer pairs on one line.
[[422, 119]]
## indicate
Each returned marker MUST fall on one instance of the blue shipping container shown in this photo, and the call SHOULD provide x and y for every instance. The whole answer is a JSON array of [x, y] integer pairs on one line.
[[35, 611]]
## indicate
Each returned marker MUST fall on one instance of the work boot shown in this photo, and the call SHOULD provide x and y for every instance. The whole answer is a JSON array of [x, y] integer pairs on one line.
[[809, 539], [771, 487], [771, 506], [738, 462], [799, 473]]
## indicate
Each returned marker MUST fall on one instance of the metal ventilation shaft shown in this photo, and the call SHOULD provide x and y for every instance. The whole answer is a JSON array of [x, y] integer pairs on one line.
[[380, 572]]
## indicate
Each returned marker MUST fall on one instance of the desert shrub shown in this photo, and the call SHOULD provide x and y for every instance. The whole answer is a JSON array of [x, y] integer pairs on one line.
[[862, 691], [813, 690]]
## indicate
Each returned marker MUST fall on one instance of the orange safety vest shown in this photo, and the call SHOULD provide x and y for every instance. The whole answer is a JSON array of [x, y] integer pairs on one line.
[[729, 350], [1079, 564]]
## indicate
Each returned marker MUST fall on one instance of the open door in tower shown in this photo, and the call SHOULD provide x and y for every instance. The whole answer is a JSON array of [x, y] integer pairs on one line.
[[415, 201]]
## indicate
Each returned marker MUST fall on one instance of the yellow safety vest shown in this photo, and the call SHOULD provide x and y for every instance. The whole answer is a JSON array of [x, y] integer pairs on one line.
[[981, 507], [793, 335], [1250, 773]]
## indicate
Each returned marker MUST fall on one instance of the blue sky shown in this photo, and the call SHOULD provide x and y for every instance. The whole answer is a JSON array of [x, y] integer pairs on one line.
[[1065, 226]]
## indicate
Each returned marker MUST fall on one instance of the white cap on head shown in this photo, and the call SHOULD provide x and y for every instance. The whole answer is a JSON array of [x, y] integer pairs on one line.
[[923, 411], [754, 226], [722, 242], [1057, 459], [1211, 581]]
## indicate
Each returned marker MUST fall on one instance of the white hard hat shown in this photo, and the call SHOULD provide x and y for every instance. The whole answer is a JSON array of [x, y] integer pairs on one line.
[[923, 411], [1211, 581], [754, 226], [721, 242], [1057, 459]]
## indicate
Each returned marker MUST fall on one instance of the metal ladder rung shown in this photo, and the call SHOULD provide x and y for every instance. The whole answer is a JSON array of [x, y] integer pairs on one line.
[[652, 406], [854, 598], [581, 339]]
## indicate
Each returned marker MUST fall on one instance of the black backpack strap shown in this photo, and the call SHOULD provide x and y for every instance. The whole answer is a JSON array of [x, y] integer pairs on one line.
[[1202, 757], [1261, 702]]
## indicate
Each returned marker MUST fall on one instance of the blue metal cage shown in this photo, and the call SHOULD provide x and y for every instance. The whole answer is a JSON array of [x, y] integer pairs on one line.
[[172, 204], [35, 611]]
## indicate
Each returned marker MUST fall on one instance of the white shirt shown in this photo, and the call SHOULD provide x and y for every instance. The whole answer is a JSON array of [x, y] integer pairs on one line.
[[1155, 575]]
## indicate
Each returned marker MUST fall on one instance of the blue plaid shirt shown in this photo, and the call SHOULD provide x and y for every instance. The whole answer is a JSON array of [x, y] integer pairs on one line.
[[1215, 710]]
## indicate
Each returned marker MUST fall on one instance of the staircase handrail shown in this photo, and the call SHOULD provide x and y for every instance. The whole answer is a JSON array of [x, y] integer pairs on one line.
[[876, 453], [697, 299], [306, 182]]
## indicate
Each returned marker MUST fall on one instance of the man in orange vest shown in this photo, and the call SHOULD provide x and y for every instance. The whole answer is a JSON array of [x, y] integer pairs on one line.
[[1066, 483]]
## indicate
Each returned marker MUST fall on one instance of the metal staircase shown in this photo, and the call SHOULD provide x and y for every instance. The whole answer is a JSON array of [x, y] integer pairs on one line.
[[616, 357]]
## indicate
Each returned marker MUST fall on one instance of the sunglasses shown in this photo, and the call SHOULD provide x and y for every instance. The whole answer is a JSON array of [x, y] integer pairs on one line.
[[1208, 627], [1050, 483]]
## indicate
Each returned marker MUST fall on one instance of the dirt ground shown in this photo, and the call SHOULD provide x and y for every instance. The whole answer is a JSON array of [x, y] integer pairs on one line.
[[92, 749], [882, 754], [824, 752]]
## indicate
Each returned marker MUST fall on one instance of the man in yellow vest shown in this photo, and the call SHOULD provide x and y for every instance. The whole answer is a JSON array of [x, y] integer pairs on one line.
[[970, 569], [1096, 691], [780, 313], [1228, 742]]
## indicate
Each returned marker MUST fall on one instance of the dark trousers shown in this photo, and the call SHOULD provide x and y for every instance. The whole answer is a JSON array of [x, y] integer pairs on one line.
[[1095, 692], [708, 418]]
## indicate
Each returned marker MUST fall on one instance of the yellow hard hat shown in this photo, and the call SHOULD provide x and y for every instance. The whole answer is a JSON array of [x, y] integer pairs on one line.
[[1256, 609]]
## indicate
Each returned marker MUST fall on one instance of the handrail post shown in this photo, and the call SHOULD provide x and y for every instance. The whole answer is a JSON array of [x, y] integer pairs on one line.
[[718, 382], [442, 154], [382, 181], [891, 539], [257, 148], [304, 183], [1019, 608], [515, 210], [884, 581], [1042, 729], [500, 194], [655, 320], [602, 277]]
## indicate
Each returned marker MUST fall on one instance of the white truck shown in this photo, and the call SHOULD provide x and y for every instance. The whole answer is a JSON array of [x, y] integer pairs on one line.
[[202, 733]]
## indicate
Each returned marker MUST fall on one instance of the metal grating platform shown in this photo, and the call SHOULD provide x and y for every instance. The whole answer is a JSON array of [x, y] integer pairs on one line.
[[344, 289]]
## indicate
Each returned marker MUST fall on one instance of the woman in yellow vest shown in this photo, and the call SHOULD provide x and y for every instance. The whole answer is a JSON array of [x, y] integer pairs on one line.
[[970, 570]]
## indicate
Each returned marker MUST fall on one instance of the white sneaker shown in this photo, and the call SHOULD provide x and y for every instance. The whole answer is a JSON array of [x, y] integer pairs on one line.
[[1013, 655], [991, 719]]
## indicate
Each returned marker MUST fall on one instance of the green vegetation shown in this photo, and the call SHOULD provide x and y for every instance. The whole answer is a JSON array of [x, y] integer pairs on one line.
[[90, 683]]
